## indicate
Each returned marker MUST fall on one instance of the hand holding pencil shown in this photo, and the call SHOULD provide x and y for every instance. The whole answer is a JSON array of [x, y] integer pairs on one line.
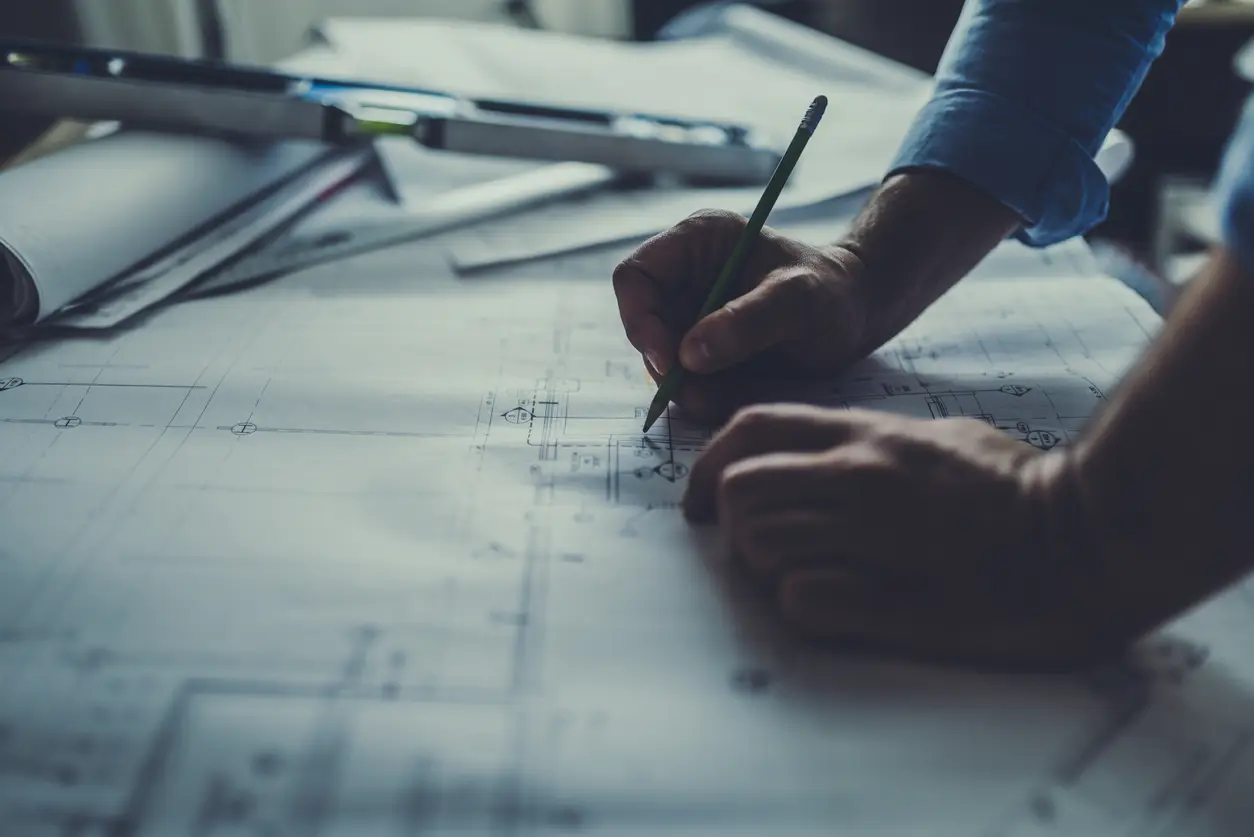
[[719, 297]]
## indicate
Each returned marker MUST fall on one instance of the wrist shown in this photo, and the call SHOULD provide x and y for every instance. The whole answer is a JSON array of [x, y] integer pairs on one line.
[[1073, 568], [1164, 473], [920, 233]]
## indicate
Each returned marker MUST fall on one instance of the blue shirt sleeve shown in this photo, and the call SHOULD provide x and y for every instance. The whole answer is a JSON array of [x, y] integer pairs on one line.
[[1025, 94]]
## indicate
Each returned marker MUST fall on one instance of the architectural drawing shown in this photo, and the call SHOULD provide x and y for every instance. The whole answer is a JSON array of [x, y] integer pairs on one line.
[[405, 564]]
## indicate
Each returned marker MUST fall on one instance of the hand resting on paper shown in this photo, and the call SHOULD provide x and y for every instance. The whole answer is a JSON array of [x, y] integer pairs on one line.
[[950, 540], [947, 539]]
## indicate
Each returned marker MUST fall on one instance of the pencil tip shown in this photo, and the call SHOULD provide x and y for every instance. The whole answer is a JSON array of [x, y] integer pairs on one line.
[[655, 412]]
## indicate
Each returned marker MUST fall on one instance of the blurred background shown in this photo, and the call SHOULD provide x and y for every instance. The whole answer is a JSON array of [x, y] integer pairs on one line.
[[1160, 215]]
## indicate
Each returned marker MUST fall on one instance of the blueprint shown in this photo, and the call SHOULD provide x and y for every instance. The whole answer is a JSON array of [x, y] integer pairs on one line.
[[371, 552]]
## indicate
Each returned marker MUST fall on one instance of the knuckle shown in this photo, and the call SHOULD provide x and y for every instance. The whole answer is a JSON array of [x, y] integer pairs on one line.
[[626, 275], [802, 299], [754, 420], [862, 468], [713, 220], [734, 485]]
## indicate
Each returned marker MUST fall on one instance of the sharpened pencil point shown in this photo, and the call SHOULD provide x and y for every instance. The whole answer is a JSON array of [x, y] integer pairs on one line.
[[655, 410]]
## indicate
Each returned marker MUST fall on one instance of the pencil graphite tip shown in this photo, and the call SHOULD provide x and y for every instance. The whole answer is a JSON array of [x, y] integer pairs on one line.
[[815, 112], [655, 412]]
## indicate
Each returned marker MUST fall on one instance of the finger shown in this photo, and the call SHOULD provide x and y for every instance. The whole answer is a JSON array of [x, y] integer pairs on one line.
[[771, 482], [846, 608], [689, 253], [640, 306], [781, 308], [665, 280], [790, 539], [756, 431]]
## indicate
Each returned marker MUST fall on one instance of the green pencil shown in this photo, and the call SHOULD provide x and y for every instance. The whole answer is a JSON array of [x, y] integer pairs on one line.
[[744, 245]]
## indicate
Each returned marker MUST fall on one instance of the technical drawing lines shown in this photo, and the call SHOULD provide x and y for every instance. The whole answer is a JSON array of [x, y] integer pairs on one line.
[[7, 384], [1030, 412], [62, 423], [1085, 792], [456, 753], [248, 428]]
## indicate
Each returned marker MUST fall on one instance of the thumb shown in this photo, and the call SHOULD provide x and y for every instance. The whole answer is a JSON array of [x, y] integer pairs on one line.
[[779, 309]]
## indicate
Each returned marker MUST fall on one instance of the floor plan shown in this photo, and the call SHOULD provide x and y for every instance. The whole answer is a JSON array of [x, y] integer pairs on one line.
[[396, 559]]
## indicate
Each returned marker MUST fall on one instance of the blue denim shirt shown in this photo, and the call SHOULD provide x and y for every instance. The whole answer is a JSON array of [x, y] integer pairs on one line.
[[1027, 91]]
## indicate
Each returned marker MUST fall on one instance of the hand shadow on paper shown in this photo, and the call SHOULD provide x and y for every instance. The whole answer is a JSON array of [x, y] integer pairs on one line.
[[1160, 735]]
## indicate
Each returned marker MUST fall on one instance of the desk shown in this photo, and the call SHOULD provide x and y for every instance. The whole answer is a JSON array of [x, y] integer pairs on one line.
[[374, 549]]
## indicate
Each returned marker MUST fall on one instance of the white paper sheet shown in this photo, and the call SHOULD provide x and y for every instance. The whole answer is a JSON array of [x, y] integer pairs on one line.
[[373, 552], [86, 215], [140, 291], [603, 220]]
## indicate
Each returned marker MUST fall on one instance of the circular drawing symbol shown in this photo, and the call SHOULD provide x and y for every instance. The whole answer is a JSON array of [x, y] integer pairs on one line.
[[69, 421], [1042, 439], [1015, 389], [10, 383], [518, 415], [671, 471], [244, 428]]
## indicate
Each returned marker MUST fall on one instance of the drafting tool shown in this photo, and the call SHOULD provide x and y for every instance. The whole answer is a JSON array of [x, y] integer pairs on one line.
[[163, 93], [748, 236], [449, 211]]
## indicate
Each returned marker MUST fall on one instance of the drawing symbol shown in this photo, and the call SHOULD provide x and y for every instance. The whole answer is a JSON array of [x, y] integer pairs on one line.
[[1042, 439], [69, 421], [1015, 390], [10, 383], [669, 471], [1023, 428], [244, 428], [586, 461], [518, 415]]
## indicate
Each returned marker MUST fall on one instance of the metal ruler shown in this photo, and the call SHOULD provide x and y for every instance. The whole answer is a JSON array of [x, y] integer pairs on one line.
[[165, 93]]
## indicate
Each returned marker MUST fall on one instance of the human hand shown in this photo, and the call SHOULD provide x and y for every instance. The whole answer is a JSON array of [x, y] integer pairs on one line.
[[795, 310], [944, 539]]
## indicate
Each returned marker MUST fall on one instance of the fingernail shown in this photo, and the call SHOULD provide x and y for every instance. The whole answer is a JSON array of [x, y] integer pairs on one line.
[[656, 361], [697, 354]]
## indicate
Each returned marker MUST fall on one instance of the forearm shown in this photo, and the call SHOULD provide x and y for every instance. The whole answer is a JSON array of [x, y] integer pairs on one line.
[[918, 235], [1024, 97], [1165, 475]]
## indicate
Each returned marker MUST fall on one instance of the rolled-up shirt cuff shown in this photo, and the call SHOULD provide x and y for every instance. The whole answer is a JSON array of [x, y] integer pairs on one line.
[[1018, 157], [1234, 192]]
